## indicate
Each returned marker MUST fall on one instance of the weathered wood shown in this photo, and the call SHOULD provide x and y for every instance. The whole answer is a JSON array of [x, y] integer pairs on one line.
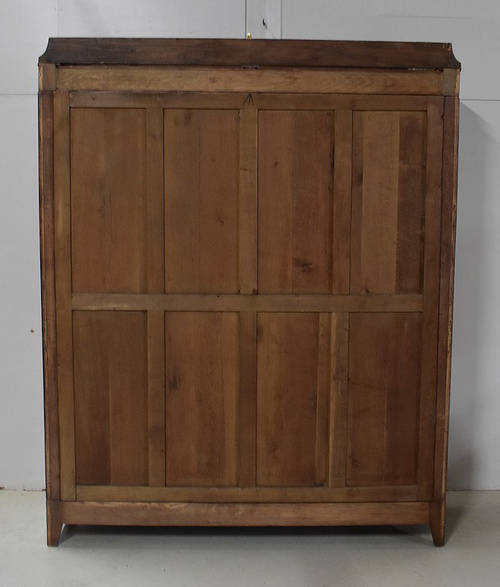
[[249, 303], [247, 399], [111, 398], [287, 397], [202, 392], [295, 185], [291, 495], [448, 235], [338, 432], [378, 54], [47, 259], [161, 79], [431, 296], [200, 514], [62, 258], [156, 397], [201, 201], [247, 281]]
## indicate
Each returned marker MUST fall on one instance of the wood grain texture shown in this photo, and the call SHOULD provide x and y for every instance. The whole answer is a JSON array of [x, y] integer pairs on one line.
[[62, 258], [338, 430], [384, 399], [290, 495], [287, 397], [199, 514], [247, 416], [448, 236], [156, 397], [342, 203], [282, 53], [431, 295], [202, 378], [250, 303], [47, 261], [201, 201], [111, 398], [296, 187], [247, 212], [225, 79], [155, 249], [109, 190], [240, 100], [389, 163]]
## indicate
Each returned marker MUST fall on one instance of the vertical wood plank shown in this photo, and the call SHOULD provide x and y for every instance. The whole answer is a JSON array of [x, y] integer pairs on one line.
[[111, 396], [156, 397], [201, 195], [296, 187], [358, 131], [247, 250], [62, 237], [338, 399], [287, 387], [389, 162], [248, 398], [109, 199], [410, 214], [377, 210], [128, 408], [92, 398], [448, 235], [431, 295], [202, 365], [384, 399], [155, 214], [323, 394], [46, 179], [342, 202]]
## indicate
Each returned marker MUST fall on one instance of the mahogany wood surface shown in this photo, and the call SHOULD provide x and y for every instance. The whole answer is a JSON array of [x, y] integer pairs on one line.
[[247, 272]]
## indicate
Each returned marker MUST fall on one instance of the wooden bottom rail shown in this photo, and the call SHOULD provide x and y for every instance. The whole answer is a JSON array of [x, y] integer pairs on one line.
[[241, 514]]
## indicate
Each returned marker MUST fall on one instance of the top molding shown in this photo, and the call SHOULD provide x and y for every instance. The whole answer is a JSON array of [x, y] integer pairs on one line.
[[250, 53]]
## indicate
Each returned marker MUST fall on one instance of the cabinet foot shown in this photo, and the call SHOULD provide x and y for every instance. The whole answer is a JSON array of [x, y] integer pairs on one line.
[[437, 519], [54, 523]]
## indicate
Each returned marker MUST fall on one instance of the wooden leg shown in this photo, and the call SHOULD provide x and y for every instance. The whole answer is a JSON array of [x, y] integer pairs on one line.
[[54, 522], [437, 517]]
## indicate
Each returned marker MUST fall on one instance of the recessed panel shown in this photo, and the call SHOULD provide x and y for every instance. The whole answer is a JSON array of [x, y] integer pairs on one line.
[[201, 201], [389, 167], [111, 398], [202, 387], [384, 399], [289, 368], [108, 200], [295, 201]]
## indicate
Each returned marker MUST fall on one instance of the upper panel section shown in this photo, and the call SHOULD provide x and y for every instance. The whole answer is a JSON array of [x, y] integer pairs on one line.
[[254, 53]]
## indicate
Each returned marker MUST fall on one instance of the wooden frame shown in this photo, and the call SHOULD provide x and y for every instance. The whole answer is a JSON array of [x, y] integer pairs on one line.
[[248, 77]]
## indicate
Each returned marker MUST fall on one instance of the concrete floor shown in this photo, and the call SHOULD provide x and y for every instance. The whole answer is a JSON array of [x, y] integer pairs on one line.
[[371, 557]]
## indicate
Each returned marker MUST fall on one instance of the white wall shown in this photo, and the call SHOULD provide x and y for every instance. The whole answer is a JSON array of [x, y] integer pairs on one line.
[[472, 27]]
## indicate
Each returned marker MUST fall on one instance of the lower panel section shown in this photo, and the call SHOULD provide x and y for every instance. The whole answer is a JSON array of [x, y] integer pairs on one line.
[[202, 387], [247, 494], [111, 397], [245, 514]]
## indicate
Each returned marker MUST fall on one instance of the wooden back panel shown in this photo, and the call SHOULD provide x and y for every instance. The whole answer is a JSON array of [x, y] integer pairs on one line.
[[319, 200]]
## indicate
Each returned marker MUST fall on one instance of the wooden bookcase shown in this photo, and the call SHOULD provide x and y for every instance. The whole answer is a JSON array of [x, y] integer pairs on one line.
[[247, 266]]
